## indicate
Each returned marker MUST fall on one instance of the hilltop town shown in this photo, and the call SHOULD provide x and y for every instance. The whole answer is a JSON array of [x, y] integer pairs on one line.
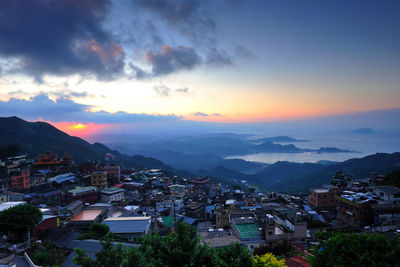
[[134, 202]]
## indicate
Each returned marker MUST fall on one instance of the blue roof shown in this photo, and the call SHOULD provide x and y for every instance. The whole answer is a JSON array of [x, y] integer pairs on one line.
[[161, 209], [64, 179], [210, 208], [186, 219], [52, 193], [128, 226], [307, 208], [189, 220], [250, 207], [45, 171]]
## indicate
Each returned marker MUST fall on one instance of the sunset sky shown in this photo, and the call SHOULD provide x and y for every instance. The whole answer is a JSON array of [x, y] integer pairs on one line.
[[90, 66]]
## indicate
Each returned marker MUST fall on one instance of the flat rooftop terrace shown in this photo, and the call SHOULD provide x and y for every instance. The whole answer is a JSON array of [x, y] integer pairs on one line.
[[248, 230], [87, 215]]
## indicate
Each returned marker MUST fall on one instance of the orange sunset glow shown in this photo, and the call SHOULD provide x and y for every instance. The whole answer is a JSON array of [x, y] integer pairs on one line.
[[78, 129]]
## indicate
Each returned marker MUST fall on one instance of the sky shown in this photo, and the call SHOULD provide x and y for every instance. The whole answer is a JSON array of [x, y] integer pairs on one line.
[[136, 66]]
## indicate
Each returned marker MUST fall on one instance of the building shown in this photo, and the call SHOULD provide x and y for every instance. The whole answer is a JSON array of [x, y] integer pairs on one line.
[[113, 172], [99, 179], [82, 217], [380, 211], [285, 225], [177, 190], [87, 194], [112, 194], [20, 178], [47, 161], [3, 197], [387, 192], [47, 222], [196, 210], [322, 199], [129, 227]]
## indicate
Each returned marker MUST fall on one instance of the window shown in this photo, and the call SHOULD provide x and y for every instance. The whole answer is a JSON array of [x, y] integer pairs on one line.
[[270, 233]]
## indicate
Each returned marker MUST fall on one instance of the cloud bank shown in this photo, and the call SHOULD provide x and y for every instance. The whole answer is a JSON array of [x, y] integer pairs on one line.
[[69, 37]]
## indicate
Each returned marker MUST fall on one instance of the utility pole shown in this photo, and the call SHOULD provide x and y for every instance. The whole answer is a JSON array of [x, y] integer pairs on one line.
[[29, 238]]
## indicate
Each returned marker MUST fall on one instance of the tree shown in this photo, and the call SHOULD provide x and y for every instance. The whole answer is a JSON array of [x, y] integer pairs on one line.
[[110, 255], [19, 219], [233, 255], [99, 229], [268, 260], [180, 248], [343, 249], [47, 254]]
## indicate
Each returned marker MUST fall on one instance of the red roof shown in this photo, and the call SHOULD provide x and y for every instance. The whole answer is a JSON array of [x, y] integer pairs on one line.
[[298, 261]]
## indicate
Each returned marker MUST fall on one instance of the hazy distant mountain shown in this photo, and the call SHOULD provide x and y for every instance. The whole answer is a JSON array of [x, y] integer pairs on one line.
[[222, 146], [194, 163], [363, 131], [40, 137], [291, 177], [382, 163], [278, 139]]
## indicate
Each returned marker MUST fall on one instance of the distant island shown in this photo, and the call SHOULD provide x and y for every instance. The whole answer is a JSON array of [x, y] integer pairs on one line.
[[363, 131], [282, 139]]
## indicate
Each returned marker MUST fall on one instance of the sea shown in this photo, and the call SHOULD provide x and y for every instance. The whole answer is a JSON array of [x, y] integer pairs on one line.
[[362, 144]]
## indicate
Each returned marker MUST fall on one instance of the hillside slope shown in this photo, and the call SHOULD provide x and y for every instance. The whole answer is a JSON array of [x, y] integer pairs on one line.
[[40, 137]]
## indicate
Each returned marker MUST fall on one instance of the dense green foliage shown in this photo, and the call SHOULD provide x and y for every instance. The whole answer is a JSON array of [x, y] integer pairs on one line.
[[268, 259], [343, 249], [9, 151], [391, 179], [47, 254], [282, 249], [180, 248], [19, 218], [317, 224], [96, 231]]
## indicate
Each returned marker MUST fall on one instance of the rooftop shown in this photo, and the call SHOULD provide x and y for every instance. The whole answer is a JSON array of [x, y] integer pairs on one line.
[[248, 230], [138, 218], [388, 189], [128, 224], [84, 189], [7, 205], [321, 191], [87, 215], [112, 190]]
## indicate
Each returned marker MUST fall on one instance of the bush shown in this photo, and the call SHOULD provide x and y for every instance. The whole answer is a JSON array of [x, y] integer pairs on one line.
[[342, 249], [99, 229], [47, 254]]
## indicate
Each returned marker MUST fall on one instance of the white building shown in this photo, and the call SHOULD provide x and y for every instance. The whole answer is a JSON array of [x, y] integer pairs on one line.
[[112, 194]]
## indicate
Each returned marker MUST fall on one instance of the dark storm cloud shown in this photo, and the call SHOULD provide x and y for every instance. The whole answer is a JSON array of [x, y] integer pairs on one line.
[[188, 11], [171, 59], [59, 37], [168, 60], [62, 109]]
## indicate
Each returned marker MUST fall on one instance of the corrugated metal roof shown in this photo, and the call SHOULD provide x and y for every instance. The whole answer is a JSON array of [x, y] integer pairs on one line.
[[127, 225]]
